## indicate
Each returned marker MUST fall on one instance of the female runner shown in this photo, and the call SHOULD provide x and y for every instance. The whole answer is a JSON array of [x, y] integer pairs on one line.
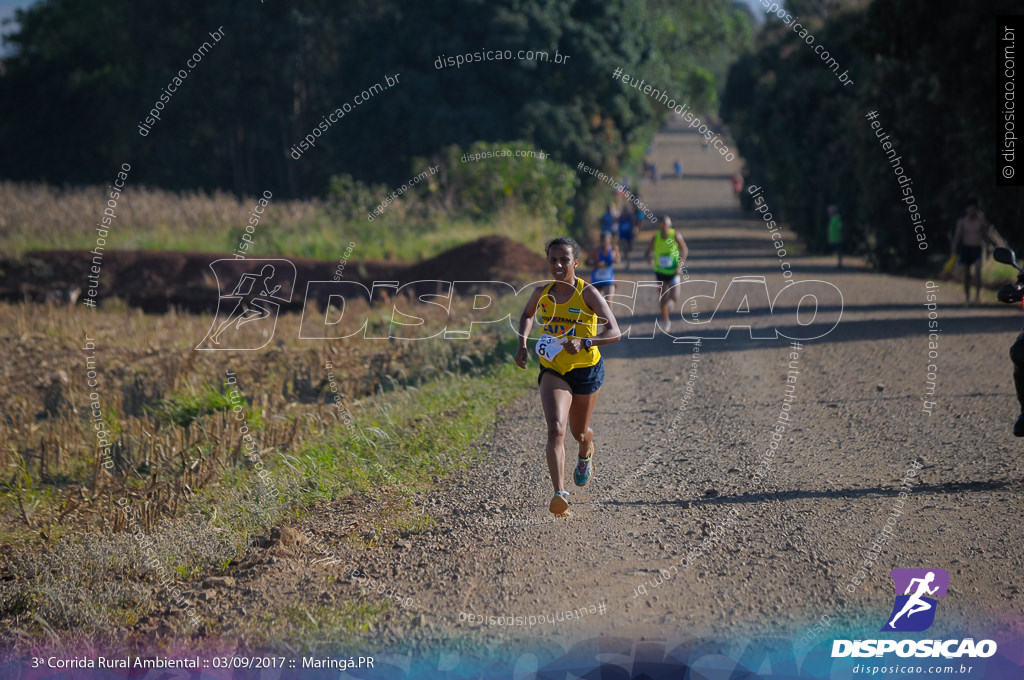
[[571, 370]]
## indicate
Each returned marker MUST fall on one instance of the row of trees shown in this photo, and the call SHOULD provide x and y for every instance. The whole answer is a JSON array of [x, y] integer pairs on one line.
[[929, 68], [82, 77]]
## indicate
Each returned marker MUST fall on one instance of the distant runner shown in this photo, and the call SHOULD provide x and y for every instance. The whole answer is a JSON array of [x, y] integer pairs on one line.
[[609, 220], [670, 252], [602, 259], [626, 220], [835, 234], [572, 369]]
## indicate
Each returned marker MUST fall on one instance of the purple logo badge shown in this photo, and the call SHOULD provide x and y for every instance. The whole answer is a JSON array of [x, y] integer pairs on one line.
[[915, 607]]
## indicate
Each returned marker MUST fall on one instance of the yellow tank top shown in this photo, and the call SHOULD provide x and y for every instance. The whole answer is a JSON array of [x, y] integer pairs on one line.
[[569, 319]]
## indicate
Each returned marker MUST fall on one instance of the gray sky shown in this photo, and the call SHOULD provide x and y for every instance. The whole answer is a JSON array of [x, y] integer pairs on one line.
[[7, 8]]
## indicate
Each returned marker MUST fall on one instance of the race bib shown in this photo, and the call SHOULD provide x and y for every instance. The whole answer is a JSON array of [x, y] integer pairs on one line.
[[666, 261], [603, 274], [548, 347]]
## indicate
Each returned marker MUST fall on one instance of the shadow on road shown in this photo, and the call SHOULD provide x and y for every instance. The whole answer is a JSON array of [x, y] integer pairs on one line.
[[852, 494], [738, 339]]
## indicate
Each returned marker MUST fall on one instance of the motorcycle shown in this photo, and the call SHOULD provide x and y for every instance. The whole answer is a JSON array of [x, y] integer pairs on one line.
[[1011, 292], [1014, 292]]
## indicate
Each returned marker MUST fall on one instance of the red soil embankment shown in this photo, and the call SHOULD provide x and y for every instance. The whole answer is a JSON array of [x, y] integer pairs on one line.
[[156, 281]]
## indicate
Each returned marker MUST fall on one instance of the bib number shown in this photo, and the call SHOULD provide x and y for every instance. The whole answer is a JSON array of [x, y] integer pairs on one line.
[[666, 261], [548, 347], [603, 274]]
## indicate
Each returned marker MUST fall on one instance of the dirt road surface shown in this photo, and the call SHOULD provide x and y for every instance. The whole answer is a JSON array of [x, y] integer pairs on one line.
[[688, 528]]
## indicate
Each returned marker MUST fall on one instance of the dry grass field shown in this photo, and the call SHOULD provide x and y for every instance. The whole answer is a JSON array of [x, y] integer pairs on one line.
[[205, 460], [42, 217]]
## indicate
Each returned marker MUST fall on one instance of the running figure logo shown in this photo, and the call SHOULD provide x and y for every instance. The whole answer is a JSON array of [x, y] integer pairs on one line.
[[915, 608], [247, 316]]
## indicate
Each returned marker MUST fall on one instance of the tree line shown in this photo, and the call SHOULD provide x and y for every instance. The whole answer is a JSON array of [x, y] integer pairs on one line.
[[89, 86], [929, 71]]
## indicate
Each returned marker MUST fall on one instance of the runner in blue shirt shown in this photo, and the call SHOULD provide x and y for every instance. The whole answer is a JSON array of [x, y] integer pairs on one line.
[[602, 259], [626, 233], [609, 219]]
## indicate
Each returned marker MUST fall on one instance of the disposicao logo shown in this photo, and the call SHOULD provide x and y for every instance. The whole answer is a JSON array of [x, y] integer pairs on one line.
[[914, 611], [247, 316]]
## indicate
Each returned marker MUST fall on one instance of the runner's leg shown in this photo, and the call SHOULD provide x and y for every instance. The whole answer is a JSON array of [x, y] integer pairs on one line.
[[977, 281], [665, 301], [967, 279], [556, 399], [579, 419], [668, 300]]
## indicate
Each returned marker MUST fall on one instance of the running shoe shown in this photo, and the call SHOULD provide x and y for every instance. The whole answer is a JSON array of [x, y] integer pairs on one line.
[[584, 468], [559, 505]]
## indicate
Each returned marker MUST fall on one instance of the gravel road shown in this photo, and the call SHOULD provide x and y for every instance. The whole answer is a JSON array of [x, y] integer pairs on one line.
[[688, 527]]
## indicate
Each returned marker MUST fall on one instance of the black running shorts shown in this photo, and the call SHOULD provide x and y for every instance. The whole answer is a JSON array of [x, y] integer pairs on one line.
[[586, 380]]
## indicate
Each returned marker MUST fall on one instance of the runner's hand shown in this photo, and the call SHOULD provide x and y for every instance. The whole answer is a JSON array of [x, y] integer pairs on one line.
[[521, 357], [572, 345]]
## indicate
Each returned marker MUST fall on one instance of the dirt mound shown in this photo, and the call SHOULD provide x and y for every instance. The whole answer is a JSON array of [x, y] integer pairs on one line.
[[157, 281], [492, 258]]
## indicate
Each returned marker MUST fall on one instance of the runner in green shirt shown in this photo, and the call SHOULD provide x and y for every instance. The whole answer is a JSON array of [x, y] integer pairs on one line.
[[835, 234], [670, 252]]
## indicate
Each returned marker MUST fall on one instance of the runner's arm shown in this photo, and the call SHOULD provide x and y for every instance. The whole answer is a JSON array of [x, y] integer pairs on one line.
[[526, 324], [650, 249], [956, 238], [684, 252], [986, 232], [596, 302]]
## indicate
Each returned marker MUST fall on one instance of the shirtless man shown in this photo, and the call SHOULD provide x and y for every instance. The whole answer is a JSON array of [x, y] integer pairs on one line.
[[972, 232]]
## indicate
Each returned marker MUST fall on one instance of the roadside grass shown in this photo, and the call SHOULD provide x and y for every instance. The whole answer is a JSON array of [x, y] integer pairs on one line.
[[93, 581], [41, 217], [993, 276], [93, 586], [166, 407], [317, 623]]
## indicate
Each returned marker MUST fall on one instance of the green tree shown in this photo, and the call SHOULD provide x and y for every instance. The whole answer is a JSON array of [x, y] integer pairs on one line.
[[926, 67], [82, 78]]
